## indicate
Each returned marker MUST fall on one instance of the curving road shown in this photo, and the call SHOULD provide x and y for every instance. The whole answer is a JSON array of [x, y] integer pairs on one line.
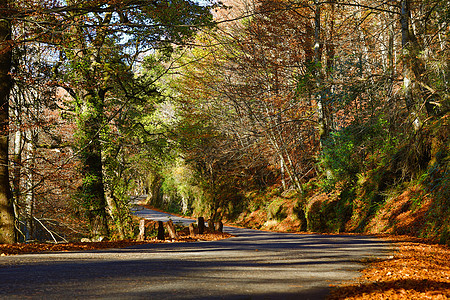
[[252, 265]]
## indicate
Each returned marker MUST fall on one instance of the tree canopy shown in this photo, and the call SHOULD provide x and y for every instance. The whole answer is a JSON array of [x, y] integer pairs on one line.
[[317, 113]]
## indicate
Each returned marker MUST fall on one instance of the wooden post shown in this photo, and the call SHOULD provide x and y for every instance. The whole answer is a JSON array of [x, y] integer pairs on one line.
[[171, 229], [219, 226], [141, 236], [191, 229], [201, 225], [160, 231], [211, 225]]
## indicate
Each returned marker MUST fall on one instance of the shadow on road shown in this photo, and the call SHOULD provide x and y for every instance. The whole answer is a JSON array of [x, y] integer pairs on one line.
[[252, 265]]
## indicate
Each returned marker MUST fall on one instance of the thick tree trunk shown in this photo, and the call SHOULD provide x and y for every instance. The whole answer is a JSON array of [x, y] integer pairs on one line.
[[155, 194], [93, 196], [7, 234], [90, 121], [115, 213]]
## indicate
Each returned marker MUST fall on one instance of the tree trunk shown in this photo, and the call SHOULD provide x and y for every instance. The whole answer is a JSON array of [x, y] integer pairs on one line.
[[414, 71], [283, 179], [390, 59], [115, 213], [93, 196], [211, 225], [7, 234], [155, 195], [17, 164], [323, 107], [29, 164], [406, 54], [90, 121]]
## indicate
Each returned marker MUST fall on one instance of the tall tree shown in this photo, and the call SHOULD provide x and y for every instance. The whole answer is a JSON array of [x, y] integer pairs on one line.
[[83, 30], [102, 72], [245, 79], [7, 234]]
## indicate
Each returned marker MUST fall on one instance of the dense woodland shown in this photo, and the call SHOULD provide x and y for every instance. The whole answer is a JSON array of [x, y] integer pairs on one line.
[[322, 116]]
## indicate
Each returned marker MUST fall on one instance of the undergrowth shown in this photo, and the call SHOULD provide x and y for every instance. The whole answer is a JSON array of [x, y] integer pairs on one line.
[[400, 188]]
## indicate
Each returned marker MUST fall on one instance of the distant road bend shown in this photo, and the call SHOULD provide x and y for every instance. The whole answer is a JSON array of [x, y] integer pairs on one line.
[[252, 265]]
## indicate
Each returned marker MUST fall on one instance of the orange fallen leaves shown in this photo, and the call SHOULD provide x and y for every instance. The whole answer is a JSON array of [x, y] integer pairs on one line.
[[22, 248], [417, 271]]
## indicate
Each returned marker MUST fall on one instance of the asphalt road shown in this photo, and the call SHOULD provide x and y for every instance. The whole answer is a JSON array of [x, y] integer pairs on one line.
[[252, 265]]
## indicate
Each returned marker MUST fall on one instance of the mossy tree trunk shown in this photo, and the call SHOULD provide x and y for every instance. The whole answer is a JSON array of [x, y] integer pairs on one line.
[[85, 57], [90, 120]]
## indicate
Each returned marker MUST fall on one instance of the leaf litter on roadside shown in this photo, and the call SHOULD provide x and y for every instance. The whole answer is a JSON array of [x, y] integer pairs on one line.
[[22, 248], [418, 270]]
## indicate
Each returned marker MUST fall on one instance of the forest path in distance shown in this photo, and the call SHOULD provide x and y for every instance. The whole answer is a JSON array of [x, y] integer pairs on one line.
[[252, 265]]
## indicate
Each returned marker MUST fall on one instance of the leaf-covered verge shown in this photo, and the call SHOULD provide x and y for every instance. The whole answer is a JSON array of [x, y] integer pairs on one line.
[[418, 270], [23, 248], [391, 192]]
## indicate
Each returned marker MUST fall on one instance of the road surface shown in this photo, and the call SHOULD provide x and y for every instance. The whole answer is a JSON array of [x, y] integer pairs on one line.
[[252, 265]]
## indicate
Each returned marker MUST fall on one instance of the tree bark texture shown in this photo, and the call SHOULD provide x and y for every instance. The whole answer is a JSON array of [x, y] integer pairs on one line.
[[322, 105], [414, 70], [93, 196], [406, 54], [7, 232], [115, 213], [90, 121]]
